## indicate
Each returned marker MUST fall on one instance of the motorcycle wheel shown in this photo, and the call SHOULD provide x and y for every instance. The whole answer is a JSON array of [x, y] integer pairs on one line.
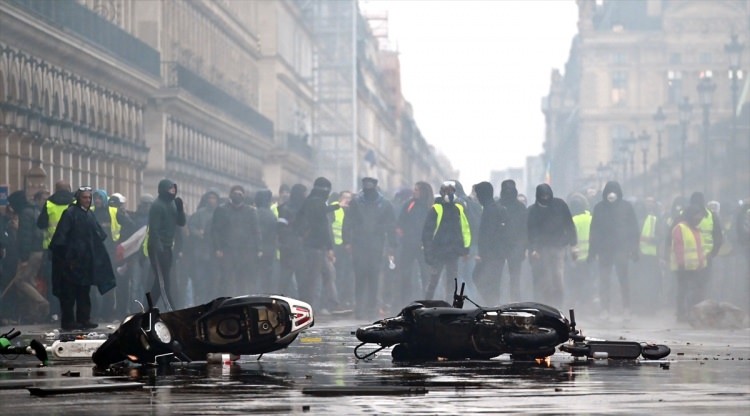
[[655, 352], [536, 338], [378, 334]]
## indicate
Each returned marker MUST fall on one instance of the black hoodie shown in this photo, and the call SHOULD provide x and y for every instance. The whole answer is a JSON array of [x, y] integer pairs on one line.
[[266, 221], [550, 223], [163, 218], [492, 225], [312, 220], [614, 226], [515, 238]]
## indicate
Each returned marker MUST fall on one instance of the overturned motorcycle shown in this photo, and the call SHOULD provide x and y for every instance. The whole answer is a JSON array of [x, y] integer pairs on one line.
[[242, 325], [428, 329]]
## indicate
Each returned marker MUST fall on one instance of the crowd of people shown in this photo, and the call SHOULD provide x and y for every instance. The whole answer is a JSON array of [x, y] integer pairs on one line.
[[82, 257]]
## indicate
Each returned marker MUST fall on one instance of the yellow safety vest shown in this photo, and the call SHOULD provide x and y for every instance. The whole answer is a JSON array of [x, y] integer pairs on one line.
[[337, 225], [465, 230], [275, 209], [706, 227], [54, 212], [691, 243], [648, 236], [583, 229], [114, 226]]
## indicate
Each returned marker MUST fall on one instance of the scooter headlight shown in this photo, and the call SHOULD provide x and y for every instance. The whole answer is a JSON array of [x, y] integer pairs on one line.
[[162, 332]]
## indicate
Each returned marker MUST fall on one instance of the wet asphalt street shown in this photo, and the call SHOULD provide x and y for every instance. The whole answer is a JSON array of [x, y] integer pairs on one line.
[[708, 372]]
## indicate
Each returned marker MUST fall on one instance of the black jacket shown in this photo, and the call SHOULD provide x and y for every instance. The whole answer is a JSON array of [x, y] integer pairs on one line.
[[550, 224], [163, 218], [266, 222], [411, 221], [492, 225], [614, 226], [78, 253], [515, 239], [312, 221], [235, 229], [30, 237], [369, 224]]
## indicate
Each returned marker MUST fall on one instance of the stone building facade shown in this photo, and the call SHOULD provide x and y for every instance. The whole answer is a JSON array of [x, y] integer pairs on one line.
[[627, 60]]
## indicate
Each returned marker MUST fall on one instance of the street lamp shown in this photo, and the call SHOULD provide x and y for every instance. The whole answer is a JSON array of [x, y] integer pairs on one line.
[[645, 140], [659, 119], [706, 87], [630, 150], [734, 52], [685, 110]]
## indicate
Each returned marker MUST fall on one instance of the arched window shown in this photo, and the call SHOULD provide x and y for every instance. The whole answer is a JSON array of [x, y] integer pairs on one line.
[[74, 111], [55, 105]]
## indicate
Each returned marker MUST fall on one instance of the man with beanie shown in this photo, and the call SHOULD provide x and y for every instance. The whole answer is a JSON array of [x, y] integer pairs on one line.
[[236, 237], [369, 224], [490, 233], [315, 230], [166, 213], [551, 231], [513, 242]]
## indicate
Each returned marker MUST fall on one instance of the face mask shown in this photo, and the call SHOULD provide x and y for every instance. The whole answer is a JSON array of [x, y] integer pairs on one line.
[[236, 199], [448, 198], [611, 197]]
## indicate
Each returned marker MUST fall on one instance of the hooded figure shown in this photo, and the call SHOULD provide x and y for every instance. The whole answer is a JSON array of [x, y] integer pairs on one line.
[[166, 214], [292, 262], [491, 231], [79, 260], [513, 242], [368, 226], [614, 239], [313, 225], [202, 248], [551, 231]]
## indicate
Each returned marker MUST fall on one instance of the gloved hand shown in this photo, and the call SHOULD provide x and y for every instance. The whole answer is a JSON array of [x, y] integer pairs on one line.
[[179, 204]]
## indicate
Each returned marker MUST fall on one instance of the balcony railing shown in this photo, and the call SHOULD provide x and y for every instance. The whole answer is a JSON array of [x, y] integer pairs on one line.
[[176, 75], [84, 22]]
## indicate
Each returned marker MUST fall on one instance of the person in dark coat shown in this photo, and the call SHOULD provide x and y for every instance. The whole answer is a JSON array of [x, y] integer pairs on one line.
[[291, 253], [317, 239], [446, 237], [514, 241], [369, 225], [490, 234], [202, 247], [165, 215], [236, 238], [409, 230], [614, 240], [267, 225], [551, 232], [79, 260]]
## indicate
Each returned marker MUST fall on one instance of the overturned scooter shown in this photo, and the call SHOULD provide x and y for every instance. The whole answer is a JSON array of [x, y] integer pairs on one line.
[[242, 325], [581, 346], [429, 329]]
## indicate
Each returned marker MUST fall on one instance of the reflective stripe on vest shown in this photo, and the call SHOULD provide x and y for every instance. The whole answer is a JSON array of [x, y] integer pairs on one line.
[[465, 230], [337, 225], [114, 225], [583, 228], [648, 236], [706, 226], [693, 259], [54, 212]]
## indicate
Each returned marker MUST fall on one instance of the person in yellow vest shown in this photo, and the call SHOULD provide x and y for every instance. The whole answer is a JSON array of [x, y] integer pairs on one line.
[[687, 260], [49, 217], [580, 288], [712, 233], [344, 272], [446, 236], [648, 282]]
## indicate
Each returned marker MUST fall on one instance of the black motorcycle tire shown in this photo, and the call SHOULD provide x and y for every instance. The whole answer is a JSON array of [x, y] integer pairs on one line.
[[537, 338], [109, 352], [655, 352], [378, 334]]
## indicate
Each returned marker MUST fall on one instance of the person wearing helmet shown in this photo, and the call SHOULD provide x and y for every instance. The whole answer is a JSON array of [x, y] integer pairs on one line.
[[446, 236]]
